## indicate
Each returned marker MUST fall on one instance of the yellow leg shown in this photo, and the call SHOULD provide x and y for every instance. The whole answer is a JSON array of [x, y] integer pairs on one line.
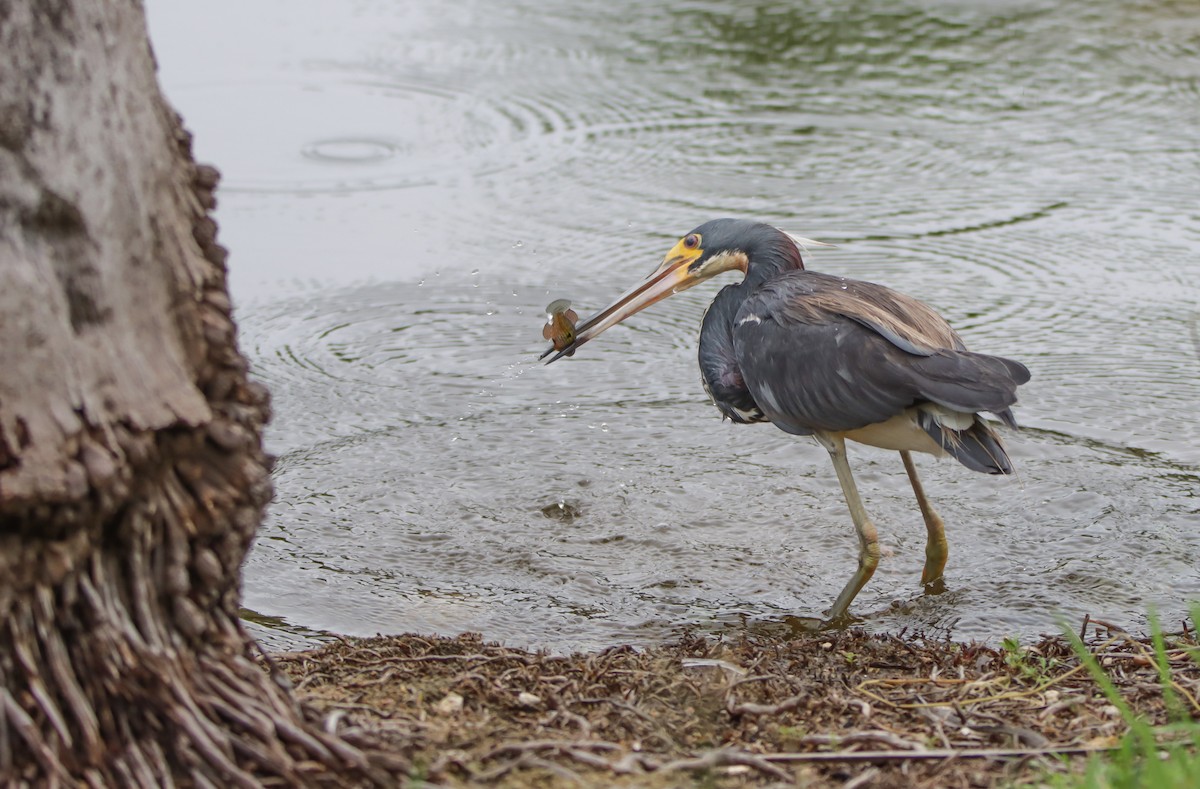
[[868, 538], [936, 547]]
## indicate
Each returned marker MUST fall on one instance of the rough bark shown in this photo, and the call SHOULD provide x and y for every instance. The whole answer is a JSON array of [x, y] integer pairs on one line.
[[132, 476]]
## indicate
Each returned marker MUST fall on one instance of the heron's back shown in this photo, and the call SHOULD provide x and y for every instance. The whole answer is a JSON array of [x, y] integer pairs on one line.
[[815, 353]]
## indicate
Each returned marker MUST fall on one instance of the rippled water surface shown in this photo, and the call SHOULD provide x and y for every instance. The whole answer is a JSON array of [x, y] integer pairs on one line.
[[408, 184]]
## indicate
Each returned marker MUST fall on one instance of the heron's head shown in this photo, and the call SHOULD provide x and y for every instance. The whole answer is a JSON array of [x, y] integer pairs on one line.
[[713, 248]]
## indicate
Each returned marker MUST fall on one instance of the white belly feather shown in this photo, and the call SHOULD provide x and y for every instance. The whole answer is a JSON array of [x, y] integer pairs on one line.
[[902, 431]]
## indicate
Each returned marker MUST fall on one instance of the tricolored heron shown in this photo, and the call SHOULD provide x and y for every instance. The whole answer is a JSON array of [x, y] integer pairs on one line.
[[836, 359]]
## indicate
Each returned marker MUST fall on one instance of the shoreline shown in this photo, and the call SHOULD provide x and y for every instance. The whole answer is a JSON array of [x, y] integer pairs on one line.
[[825, 709]]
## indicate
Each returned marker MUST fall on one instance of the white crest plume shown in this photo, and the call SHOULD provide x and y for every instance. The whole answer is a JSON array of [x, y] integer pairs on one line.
[[805, 243]]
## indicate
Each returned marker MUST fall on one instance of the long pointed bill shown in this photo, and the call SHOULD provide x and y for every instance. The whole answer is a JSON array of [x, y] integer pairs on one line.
[[671, 277]]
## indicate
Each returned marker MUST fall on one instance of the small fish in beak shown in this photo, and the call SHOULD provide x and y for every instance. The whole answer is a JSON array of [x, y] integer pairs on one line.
[[560, 326]]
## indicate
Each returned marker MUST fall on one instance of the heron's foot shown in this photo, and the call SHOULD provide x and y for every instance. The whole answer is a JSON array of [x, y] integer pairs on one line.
[[843, 621], [936, 586], [804, 625], [812, 625]]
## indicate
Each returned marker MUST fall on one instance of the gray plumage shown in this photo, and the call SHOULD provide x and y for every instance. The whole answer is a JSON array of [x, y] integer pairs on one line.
[[813, 352]]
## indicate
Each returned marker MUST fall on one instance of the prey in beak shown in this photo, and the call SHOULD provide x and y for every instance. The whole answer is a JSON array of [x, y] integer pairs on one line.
[[560, 326], [687, 264]]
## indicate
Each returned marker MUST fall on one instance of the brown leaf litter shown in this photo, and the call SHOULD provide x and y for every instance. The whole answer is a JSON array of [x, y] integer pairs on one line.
[[829, 709]]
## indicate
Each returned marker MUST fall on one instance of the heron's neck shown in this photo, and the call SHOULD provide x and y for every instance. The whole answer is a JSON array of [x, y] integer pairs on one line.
[[771, 258]]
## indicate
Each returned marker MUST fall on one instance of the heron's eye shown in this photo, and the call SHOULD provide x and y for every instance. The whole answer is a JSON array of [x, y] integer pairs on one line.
[[691, 241]]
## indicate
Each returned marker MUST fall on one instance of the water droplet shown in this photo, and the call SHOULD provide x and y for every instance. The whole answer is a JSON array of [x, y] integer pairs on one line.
[[518, 245], [475, 273]]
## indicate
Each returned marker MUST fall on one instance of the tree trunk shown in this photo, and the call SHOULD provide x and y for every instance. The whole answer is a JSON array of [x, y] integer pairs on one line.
[[132, 475]]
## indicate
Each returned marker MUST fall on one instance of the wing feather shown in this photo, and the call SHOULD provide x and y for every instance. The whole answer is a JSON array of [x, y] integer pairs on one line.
[[824, 353]]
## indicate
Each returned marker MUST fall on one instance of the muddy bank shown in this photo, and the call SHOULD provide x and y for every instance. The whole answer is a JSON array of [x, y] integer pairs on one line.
[[824, 710]]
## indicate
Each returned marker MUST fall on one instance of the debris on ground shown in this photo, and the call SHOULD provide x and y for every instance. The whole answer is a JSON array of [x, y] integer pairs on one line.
[[841, 708]]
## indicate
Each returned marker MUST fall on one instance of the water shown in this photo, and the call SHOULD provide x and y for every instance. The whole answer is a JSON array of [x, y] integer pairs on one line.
[[407, 185]]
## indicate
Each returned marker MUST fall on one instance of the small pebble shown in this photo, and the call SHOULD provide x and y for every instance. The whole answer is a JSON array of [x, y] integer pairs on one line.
[[529, 700], [452, 704]]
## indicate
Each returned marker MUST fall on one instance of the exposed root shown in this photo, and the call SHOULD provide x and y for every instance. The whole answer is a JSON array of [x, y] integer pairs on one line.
[[122, 658]]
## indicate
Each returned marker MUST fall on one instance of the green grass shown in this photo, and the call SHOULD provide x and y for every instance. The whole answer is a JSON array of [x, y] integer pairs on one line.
[[1155, 757], [1033, 667]]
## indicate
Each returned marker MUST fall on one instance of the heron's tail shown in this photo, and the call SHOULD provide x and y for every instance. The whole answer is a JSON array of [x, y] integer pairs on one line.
[[977, 447]]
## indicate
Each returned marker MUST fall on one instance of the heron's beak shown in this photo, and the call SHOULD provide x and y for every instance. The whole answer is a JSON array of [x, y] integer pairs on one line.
[[674, 275]]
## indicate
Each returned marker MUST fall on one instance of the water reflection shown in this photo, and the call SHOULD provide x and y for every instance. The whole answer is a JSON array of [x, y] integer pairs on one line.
[[408, 185]]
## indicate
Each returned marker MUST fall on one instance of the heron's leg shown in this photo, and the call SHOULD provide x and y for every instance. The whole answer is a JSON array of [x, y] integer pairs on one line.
[[868, 538], [936, 547]]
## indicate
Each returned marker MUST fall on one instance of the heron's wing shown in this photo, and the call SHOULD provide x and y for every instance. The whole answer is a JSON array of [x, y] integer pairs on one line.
[[824, 353], [967, 381], [832, 374], [908, 324]]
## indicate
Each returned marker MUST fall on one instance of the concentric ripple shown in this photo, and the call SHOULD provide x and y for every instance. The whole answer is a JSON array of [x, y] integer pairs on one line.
[[436, 179]]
